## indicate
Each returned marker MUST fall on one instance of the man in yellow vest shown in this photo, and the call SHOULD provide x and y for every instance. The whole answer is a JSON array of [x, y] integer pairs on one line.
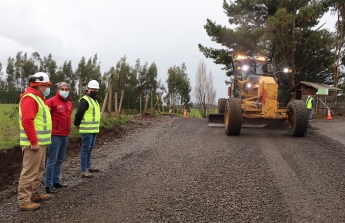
[[87, 120], [35, 135], [310, 106]]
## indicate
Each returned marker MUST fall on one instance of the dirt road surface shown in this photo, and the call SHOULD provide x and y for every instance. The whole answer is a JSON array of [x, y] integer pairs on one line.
[[181, 170]]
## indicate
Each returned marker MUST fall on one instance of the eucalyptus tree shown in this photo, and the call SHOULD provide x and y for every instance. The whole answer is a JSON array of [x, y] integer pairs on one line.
[[49, 66], [80, 72], [110, 79], [132, 91], [123, 71], [161, 89], [2, 82], [87, 71], [141, 77], [147, 81], [10, 74], [179, 88], [171, 81], [18, 67], [150, 84]]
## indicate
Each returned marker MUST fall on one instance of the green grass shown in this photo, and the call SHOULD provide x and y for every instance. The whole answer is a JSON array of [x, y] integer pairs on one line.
[[9, 130], [194, 113]]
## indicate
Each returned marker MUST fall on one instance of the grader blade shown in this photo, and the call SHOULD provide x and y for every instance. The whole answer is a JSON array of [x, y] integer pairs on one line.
[[216, 120]]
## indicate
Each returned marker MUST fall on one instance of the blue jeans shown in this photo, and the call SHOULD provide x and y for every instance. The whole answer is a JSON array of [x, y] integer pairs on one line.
[[55, 157], [88, 142], [310, 114]]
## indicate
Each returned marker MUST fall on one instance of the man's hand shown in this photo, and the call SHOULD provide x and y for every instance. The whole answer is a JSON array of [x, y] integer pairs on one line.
[[35, 147]]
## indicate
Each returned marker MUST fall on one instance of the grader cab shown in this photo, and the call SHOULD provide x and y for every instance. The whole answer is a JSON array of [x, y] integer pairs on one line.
[[253, 96]]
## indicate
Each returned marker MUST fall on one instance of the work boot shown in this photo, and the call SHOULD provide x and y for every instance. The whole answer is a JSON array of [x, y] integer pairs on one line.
[[29, 206], [51, 190], [40, 197], [86, 174], [59, 185], [93, 170]]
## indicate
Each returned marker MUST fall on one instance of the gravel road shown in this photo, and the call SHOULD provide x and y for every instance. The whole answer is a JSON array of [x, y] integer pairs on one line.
[[181, 170]]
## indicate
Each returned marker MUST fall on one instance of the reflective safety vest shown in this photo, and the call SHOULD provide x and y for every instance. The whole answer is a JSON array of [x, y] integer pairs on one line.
[[42, 121], [92, 116], [309, 103]]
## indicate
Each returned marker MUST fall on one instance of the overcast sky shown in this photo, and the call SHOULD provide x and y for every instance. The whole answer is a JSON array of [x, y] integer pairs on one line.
[[160, 31]]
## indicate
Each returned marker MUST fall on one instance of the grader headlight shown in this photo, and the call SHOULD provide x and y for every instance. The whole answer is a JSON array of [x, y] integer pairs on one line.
[[260, 58], [241, 57], [287, 70], [245, 67]]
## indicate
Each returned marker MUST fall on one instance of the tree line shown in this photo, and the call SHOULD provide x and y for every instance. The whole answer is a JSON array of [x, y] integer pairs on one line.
[[129, 83]]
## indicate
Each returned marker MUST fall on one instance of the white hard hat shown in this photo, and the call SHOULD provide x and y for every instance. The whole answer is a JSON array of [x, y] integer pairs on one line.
[[93, 84], [41, 77]]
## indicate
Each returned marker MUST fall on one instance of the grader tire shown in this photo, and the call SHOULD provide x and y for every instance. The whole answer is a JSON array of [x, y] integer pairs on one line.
[[233, 116], [221, 105], [297, 122]]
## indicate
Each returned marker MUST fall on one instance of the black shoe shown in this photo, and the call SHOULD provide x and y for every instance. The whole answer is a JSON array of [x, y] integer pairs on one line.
[[51, 190], [93, 170], [58, 185]]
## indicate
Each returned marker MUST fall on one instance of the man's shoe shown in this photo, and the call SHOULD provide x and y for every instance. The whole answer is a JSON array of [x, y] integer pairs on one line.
[[58, 185], [93, 170], [86, 174], [51, 190], [40, 197], [29, 206]]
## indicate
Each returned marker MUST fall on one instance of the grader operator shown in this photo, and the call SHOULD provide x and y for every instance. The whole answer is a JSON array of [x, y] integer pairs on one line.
[[253, 95]]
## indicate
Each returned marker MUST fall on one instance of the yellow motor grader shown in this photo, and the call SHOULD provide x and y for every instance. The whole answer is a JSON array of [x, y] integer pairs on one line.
[[253, 95]]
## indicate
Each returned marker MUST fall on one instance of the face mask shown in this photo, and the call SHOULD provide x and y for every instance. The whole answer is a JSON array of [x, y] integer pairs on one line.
[[93, 94], [47, 92], [64, 94]]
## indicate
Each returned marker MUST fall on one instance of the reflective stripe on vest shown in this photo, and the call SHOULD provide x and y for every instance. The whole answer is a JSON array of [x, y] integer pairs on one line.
[[92, 116], [309, 103], [42, 122]]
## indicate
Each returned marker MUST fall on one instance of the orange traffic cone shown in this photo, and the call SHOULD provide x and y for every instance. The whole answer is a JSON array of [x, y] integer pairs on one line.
[[329, 117], [185, 113]]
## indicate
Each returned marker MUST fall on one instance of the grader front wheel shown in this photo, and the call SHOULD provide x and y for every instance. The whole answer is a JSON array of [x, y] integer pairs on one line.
[[233, 116], [297, 122], [221, 105]]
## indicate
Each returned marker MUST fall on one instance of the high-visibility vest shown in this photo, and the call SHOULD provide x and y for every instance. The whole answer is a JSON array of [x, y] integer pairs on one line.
[[92, 116], [309, 103], [42, 121]]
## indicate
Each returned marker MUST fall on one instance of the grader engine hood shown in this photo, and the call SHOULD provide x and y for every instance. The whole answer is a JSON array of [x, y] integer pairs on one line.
[[268, 92]]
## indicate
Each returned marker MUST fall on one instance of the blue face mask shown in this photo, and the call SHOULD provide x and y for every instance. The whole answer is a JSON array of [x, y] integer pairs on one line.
[[64, 94], [47, 92]]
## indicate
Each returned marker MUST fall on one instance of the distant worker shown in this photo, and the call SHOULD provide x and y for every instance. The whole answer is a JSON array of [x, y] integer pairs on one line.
[[35, 135], [87, 120], [61, 110], [310, 106]]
